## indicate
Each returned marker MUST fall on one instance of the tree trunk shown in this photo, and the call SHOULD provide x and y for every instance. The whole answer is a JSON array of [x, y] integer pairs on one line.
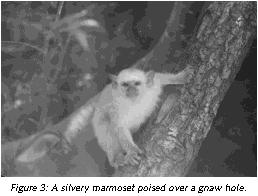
[[216, 52]]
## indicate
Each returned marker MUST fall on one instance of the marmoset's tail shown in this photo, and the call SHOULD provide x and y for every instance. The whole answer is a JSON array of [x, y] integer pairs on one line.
[[79, 121]]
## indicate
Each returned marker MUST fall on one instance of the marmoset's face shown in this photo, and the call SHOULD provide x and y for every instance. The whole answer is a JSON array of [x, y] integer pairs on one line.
[[131, 82], [131, 89]]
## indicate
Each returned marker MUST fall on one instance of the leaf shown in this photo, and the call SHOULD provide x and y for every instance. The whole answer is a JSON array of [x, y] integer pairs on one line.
[[81, 38]]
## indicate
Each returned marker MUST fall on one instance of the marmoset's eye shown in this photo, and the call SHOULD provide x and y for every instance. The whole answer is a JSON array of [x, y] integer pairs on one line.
[[137, 83], [125, 84]]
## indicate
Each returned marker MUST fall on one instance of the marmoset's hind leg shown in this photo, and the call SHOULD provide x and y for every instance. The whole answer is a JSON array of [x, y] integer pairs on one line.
[[129, 147], [113, 150], [109, 143]]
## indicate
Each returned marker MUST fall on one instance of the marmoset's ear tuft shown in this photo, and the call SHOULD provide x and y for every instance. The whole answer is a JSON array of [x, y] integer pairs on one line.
[[113, 80], [150, 77]]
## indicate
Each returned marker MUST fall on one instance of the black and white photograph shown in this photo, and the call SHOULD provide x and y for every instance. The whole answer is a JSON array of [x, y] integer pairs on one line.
[[128, 89]]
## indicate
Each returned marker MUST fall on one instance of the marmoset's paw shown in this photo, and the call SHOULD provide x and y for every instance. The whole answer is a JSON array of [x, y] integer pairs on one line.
[[132, 156]]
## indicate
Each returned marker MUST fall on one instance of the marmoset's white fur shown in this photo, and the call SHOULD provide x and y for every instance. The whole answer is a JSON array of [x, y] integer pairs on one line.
[[120, 109]]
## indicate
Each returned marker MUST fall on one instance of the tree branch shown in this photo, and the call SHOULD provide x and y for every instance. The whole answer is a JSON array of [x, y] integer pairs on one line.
[[217, 51], [60, 7], [168, 50], [6, 46]]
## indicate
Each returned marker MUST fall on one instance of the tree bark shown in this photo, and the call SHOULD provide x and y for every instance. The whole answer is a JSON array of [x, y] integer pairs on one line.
[[216, 52]]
